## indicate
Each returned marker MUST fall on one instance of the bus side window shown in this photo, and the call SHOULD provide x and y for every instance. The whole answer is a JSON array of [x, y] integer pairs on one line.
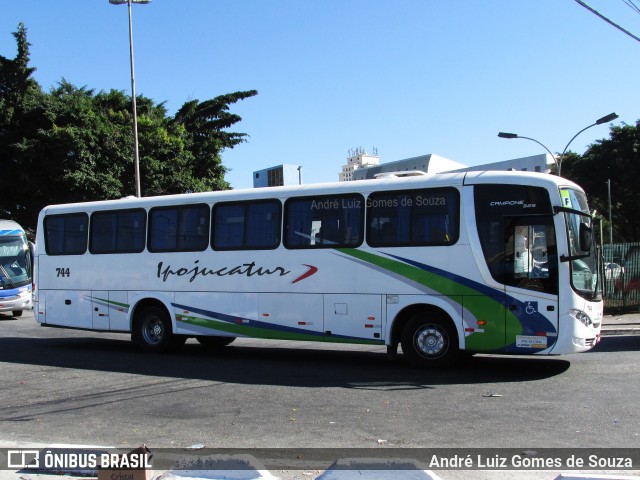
[[327, 221], [249, 225], [179, 229], [117, 231], [425, 217]]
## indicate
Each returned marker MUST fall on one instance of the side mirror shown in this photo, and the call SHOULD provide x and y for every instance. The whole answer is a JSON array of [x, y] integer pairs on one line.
[[586, 237]]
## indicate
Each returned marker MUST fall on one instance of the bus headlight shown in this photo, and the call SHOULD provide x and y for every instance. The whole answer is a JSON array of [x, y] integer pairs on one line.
[[582, 317]]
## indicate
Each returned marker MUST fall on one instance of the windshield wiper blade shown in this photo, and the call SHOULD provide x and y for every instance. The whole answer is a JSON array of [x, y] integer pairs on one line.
[[4, 272]]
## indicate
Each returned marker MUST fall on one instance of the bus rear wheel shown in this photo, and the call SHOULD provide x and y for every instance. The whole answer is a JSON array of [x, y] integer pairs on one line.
[[430, 339], [152, 331]]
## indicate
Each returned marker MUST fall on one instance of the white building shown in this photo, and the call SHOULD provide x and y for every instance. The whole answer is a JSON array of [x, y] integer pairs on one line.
[[278, 176], [535, 163], [430, 163], [358, 159], [433, 163]]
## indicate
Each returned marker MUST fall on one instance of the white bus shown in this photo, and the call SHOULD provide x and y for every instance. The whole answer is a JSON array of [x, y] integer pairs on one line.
[[497, 262], [15, 269]]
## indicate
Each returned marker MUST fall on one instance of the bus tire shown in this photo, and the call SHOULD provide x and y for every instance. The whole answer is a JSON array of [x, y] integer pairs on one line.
[[152, 331], [430, 339], [214, 341]]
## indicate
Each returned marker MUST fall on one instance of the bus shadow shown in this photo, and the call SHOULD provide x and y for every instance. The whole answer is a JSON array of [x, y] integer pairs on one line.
[[273, 365], [618, 343]]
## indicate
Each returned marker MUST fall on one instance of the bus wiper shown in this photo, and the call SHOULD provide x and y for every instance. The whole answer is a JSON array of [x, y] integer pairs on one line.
[[4, 272]]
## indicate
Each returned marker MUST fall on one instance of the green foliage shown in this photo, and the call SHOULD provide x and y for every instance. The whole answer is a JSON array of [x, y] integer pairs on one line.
[[616, 159], [73, 144], [15, 79]]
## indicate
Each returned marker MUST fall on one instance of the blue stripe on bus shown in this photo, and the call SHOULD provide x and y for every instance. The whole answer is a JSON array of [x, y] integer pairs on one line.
[[233, 319]]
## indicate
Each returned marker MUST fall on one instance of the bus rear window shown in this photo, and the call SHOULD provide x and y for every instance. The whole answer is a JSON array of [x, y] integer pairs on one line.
[[66, 234]]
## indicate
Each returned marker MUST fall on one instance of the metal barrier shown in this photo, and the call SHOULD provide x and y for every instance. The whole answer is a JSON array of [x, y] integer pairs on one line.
[[622, 276]]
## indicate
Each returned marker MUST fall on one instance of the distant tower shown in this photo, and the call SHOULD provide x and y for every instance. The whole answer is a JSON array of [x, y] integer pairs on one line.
[[358, 158]]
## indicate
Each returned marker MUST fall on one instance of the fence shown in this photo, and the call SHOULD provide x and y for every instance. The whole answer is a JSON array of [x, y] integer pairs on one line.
[[622, 276]]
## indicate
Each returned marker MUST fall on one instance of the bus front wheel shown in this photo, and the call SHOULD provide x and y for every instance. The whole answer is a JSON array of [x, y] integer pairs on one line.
[[430, 339], [152, 331]]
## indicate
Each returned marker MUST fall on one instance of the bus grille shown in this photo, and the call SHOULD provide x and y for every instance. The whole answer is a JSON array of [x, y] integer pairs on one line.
[[591, 342]]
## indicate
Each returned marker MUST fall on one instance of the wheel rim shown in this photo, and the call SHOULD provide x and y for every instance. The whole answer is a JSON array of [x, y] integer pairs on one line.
[[153, 330], [431, 341]]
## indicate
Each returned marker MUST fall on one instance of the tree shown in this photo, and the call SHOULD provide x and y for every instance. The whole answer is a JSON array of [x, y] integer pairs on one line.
[[19, 96], [616, 159], [206, 123], [15, 80], [73, 144]]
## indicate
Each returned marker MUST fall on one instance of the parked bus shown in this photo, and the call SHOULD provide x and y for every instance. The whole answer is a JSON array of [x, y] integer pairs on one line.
[[496, 262], [15, 269]]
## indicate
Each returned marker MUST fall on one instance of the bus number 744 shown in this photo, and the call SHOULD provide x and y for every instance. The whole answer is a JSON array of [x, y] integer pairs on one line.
[[63, 272]]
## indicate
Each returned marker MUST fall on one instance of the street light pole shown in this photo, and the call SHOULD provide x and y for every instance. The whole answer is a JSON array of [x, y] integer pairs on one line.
[[607, 118], [610, 220], [515, 135], [133, 93], [600, 121]]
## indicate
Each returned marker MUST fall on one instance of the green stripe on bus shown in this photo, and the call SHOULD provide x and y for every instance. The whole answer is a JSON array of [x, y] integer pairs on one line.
[[480, 305]]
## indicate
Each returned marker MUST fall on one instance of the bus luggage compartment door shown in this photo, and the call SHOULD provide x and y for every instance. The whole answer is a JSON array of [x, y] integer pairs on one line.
[[352, 317], [68, 308]]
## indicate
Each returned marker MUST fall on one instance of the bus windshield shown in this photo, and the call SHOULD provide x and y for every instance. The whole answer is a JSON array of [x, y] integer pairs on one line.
[[582, 250], [15, 263]]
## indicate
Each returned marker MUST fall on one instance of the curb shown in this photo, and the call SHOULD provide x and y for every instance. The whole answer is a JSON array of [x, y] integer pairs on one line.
[[617, 330]]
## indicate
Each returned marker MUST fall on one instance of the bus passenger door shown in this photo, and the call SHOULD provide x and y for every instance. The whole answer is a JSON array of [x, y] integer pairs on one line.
[[532, 292], [533, 325], [100, 310], [353, 317], [515, 226]]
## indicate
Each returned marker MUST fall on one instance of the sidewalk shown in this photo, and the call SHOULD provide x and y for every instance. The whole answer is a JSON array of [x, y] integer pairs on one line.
[[623, 324]]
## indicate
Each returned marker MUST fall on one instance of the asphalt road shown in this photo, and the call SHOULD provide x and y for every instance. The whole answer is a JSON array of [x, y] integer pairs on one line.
[[65, 386]]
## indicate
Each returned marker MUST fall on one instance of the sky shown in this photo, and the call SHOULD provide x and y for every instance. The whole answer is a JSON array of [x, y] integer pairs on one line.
[[406, 77]]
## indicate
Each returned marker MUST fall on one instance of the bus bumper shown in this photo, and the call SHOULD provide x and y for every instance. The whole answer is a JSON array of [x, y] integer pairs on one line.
[[18, 302], [578, 333]]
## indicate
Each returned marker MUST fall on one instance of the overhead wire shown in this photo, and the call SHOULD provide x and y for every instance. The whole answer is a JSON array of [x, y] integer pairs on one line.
[[632, 5], [610, 22]]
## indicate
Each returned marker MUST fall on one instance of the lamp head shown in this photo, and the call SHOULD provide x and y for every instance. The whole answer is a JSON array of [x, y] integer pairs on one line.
[[609, 118], [125, 2]]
